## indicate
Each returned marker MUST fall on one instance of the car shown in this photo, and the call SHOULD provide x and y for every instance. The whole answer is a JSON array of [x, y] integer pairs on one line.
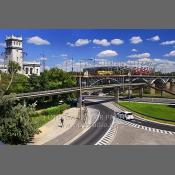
[[125, 115], [60, 102]]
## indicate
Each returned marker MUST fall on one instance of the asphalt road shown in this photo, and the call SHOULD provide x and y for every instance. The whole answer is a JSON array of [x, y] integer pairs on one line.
[[99, 128], [95, 133]]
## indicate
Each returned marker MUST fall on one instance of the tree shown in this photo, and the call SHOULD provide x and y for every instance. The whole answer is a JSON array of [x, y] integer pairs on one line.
[[13, 68], [16, 125]]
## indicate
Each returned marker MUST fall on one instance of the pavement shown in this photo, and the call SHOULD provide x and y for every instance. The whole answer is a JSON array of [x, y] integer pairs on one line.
[[53, 128]]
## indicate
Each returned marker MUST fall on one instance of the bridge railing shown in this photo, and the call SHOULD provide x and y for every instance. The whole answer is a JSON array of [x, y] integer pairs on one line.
[[45, 92]]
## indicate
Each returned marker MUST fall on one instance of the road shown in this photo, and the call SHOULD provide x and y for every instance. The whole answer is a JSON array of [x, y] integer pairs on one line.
[[99, 128]]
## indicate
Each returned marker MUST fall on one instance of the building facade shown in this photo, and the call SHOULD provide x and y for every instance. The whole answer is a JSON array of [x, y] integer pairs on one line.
[[14, 52]]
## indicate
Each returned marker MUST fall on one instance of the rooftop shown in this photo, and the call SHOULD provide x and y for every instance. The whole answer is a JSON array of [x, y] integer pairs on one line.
[[13, 37]]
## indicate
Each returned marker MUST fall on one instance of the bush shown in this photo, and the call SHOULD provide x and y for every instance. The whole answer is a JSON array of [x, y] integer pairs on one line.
[[16, 125], [40, 118]]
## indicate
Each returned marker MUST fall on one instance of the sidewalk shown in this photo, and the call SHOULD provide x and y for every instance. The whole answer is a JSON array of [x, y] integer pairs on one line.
[[53, 128], [53, 134]]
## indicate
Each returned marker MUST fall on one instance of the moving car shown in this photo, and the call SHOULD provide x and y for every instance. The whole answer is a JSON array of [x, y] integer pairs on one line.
[[125, 115]]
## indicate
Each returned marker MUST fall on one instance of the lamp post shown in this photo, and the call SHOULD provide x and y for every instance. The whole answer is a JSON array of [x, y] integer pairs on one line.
[[129, 74], [80, 87]]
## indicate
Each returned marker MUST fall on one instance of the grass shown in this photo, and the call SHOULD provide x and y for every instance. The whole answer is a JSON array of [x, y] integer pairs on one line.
[[156, 111], [41, 117]]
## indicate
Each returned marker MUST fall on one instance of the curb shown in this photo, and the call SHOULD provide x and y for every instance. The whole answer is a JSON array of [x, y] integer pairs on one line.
[[122, 108]]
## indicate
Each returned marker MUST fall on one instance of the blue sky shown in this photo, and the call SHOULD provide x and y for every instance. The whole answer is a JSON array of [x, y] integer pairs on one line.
[[129, 44]]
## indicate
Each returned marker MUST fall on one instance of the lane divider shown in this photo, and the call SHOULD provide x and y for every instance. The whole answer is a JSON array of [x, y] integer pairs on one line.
[[109, 135]]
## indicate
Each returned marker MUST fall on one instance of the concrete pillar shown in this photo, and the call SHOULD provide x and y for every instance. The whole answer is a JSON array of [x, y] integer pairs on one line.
[[168, 85], [24, 102], [152, 91], [116, 94], [141, 92], [172, 86]]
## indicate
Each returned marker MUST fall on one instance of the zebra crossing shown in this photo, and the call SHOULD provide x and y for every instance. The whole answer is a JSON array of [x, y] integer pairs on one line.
[[135, 125], [109, 136]]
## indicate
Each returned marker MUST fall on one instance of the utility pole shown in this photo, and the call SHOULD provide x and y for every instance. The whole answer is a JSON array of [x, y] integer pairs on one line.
[[72, 64]]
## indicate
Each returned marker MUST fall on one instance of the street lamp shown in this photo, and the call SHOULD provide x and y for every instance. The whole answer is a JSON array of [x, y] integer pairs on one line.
[[129, 74], [80, 99]]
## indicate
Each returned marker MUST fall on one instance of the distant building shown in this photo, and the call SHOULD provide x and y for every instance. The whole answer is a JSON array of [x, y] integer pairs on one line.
[[14, 52]]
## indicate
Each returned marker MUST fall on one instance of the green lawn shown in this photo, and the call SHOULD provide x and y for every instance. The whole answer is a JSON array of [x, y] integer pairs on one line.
[[158, 111], [43, 116]]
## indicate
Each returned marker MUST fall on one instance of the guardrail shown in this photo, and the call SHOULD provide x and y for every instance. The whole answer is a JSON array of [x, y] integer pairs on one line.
[[68, 90]]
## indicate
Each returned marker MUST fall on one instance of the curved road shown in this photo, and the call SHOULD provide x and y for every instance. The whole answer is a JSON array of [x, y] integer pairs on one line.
[[97, 131]]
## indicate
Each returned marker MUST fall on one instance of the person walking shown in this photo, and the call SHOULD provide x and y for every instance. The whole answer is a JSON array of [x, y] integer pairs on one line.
[[62, 121]]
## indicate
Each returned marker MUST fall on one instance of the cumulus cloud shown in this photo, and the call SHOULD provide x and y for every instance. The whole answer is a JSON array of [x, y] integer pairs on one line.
[[142, 55], [117, 41], [154, 38], [2, 44], [168, 42], [107, 53], [136, 40], [79, 42], [37, 41], [134, 50], [102, 42], [170, 54]]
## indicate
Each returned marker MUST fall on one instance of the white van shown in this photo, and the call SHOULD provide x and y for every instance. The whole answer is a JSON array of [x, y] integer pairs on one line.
[[125, 115]]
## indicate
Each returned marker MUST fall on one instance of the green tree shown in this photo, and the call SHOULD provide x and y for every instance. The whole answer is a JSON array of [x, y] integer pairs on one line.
[[16, 125]]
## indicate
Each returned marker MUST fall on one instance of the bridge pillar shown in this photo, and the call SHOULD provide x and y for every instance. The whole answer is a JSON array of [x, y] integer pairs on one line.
[[24, 102], [172, 86], [116, 94], [168, 85], [141, 92], [152, 91]]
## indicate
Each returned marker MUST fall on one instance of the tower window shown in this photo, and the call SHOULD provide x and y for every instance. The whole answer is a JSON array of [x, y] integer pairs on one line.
[[31, 70], [27, 70]]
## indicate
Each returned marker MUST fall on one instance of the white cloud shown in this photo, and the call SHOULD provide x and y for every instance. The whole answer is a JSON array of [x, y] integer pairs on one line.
[[136, 40], [134, 50], [168, 42], [79, 42], [154, 38], [63, 55], [2, 44], [117, 41], [107, 53], [142, 55], [170, 54], [37, 41], [102, 42]]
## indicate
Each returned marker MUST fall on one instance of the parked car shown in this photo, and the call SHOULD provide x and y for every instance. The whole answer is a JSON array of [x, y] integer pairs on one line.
[[125, 115]]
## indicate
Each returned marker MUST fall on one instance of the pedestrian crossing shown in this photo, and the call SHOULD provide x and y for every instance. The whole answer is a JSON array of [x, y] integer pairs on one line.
[[109, 136], [120, 121]]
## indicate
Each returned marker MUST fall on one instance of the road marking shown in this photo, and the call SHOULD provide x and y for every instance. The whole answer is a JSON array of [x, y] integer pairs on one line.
[[109, 135], [136, 125]]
